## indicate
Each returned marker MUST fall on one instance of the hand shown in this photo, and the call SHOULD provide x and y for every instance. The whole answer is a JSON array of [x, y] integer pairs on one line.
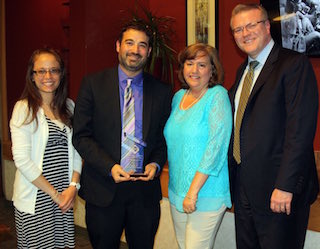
[[119, 175], [56, 197], [68, 199], [189, 204], [281, 201], [149, 172]]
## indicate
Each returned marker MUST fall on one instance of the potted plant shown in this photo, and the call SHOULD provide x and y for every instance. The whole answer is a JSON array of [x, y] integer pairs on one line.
[[163, 56]]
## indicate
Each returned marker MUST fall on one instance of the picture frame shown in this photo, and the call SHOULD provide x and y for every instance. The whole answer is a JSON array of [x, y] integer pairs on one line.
[[295, 24], [202, 22]]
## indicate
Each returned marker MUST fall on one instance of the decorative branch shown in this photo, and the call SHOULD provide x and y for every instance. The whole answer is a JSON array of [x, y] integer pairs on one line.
[[161, 28]]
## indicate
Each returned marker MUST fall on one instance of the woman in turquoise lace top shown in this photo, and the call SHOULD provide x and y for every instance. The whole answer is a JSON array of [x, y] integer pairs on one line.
[[197, 135]]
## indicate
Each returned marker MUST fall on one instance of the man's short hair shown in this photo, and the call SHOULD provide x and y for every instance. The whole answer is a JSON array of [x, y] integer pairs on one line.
[[140, 25], [249, 6]]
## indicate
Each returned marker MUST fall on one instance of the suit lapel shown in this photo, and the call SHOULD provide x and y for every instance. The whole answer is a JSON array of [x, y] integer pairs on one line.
[[113, 89], [237, 82], [265, 72], [147, 105]]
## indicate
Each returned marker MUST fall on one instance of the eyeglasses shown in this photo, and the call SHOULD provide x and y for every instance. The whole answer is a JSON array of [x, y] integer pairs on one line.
[[52, 71], [249, 27]]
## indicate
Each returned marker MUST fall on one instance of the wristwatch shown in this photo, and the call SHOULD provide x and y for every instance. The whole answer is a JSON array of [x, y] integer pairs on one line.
[[75, 184]]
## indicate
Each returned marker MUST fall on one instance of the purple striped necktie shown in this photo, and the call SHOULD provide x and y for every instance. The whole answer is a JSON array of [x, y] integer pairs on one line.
[[128, 147]]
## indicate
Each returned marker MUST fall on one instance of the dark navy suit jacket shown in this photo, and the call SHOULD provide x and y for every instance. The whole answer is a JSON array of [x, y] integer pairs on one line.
[[278, 130]]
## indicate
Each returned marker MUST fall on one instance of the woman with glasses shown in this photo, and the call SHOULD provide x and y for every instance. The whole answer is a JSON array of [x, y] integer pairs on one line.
[[48, 167]]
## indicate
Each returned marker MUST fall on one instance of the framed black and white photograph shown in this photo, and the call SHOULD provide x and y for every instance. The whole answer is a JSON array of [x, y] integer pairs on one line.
[[295, 24], [202, 22]]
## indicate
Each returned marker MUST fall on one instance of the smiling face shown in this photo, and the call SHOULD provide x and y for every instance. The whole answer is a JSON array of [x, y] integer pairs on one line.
[[48, 82], [254, 41], [197, 72], [133, 51]]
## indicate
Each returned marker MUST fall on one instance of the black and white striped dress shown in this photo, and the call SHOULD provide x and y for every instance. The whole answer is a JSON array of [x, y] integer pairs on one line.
[[49, 227]]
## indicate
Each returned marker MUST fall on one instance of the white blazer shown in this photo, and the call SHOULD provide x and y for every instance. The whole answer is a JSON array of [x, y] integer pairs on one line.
[[28, 146]]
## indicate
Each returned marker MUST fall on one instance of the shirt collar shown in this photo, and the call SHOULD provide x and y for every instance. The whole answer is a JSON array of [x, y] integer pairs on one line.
[[137, 80], [263, 55]]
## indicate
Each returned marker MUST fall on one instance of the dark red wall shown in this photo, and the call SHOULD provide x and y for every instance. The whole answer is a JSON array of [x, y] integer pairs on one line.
[[230, 55], [30, 25], [94, 27]]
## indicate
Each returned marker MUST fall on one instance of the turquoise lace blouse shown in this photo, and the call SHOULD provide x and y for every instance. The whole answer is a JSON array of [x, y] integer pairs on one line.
[[198, 140]]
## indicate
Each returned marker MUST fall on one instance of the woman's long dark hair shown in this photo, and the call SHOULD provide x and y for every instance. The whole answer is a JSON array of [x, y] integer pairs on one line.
[[32, 95]]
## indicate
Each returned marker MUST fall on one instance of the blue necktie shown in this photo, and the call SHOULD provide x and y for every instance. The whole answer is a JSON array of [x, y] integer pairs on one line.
[[128, 147]]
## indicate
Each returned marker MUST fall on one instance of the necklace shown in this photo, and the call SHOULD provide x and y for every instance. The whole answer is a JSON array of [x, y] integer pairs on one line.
[[194, 101], [49, 111]]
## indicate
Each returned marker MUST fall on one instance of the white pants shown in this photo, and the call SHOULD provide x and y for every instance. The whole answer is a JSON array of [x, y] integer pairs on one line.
[[197, 230]]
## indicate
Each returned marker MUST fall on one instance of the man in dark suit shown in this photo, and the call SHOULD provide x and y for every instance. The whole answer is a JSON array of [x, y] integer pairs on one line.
[[272, 164], [117, 198]]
